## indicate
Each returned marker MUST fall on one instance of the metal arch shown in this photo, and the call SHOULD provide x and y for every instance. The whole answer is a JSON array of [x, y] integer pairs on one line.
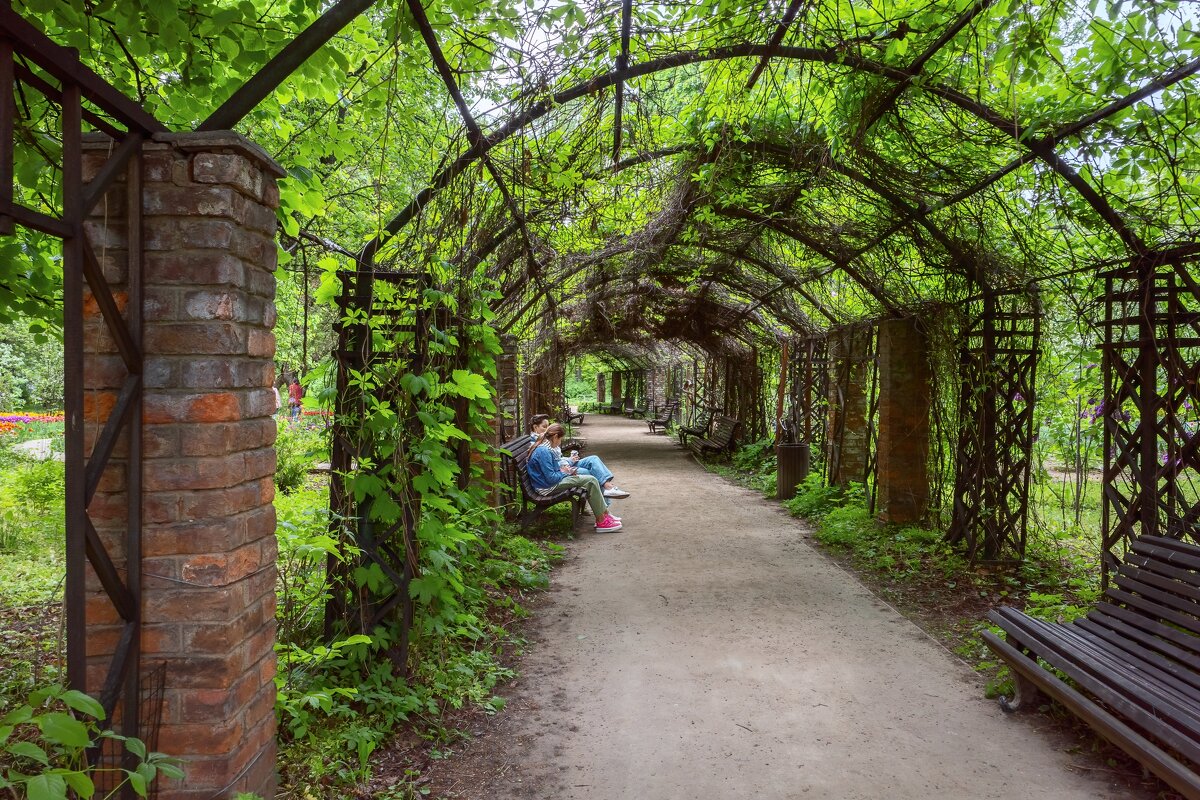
[[831, 57]]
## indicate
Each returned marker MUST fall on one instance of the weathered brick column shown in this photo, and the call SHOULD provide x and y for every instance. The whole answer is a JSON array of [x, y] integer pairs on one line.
[[600, 389], [904, 400], [617, 387], [847, 434], [208, 534]]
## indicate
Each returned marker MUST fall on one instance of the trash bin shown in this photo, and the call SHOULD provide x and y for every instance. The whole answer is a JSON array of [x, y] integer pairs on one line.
[[792, 459]]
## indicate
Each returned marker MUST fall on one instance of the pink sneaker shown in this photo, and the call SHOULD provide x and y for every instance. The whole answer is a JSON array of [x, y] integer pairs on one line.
[[608, 524]]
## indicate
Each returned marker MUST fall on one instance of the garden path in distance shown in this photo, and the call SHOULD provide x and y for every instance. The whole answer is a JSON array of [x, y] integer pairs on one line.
[[707, 652]]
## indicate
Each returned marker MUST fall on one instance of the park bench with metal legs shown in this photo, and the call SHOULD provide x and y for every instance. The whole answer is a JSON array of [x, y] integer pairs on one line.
[[513, 463], [699, 429], [1131, 666], [638, 412], [665, 418], [720, 440], [570, 417]]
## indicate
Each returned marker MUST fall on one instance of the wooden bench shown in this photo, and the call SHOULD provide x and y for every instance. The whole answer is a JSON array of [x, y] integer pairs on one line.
[[570, 417], [1132, 664], [699, 429], [721, 438], [514, 458], [638, 412], [663, 419]]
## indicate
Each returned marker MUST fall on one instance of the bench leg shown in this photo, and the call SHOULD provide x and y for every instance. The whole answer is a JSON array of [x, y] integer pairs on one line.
[[1025, 694]]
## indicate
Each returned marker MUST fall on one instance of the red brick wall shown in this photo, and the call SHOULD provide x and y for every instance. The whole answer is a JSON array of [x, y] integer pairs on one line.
[[209, 549], [904, 400]]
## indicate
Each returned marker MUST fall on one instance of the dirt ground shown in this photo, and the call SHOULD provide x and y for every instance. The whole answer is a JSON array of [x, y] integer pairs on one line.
[[708, 651]]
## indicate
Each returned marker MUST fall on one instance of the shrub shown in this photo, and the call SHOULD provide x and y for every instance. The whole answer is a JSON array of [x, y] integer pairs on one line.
[[813, 498], [296, 450]]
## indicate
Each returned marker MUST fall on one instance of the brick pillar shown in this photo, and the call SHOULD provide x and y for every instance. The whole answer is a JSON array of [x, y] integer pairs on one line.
[[508, 390], [616, 387], [656, 390], [847, 434], [208, 533], [904, 400], [600, 392]]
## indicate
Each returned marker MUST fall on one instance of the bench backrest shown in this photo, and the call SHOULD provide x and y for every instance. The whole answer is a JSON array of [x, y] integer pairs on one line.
[[515, 464], [1160, 579], [723, 431], [668, 412]]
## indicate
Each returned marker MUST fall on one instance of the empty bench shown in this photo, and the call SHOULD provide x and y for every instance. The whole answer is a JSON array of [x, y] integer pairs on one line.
[[663, 418], [720, 440], [1132, 664], [513, 460]]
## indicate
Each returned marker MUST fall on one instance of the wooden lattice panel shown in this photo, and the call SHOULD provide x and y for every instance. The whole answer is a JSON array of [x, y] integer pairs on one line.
[[998, 369], [808, 379], [1151, 402]]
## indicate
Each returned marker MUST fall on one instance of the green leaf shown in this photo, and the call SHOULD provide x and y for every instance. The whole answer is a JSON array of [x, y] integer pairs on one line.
[[29, 750], [136, 746], [63, 729], [83, 703], [80, 783], [138, 783], [50, 786]]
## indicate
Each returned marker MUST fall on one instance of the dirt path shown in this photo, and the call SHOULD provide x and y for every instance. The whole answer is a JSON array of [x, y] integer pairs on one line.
[[707, 652]]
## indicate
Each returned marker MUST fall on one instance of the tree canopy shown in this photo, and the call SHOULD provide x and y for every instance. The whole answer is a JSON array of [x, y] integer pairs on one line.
[[708, 171]]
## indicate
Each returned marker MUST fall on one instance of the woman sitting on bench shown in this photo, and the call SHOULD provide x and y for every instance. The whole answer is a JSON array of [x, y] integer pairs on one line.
[[589, 465], [547, 476]]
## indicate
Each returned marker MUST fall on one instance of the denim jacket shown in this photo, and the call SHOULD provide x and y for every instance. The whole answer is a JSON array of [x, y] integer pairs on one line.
[[543, 468]]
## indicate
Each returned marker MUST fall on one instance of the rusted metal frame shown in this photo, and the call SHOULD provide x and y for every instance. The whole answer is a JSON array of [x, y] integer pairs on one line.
[[785, 281], [94, 275], [918, 64], [30, 78], [789, 15], [35, 219], [841, 263], [118, 418], [117, 163], [8, 113], [829, 56], [131, 720], [622, 64], [75, 593], [285, 62], [63, 64], [476, 137]]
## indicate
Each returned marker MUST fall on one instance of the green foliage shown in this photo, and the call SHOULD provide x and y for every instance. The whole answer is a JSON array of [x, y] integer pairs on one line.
[[297, 447], [32, 530], [813, 498], [44, 743], [31, 367]]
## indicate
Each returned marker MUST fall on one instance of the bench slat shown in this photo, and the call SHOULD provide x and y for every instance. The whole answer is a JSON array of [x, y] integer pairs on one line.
[[1169, 606], [1150, 625], [1151, 644], [1146, 752], [1140, 673], [1158, 693], [1180, 553], [1164, 576], [1099, 680], [1139, 645]]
